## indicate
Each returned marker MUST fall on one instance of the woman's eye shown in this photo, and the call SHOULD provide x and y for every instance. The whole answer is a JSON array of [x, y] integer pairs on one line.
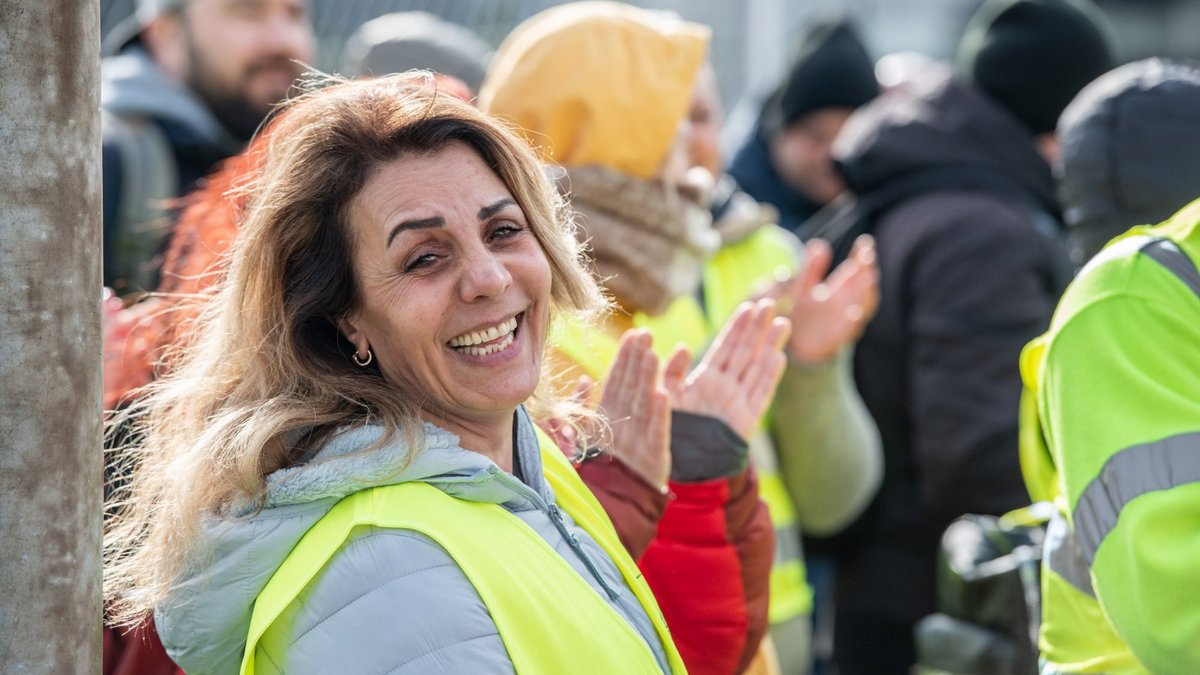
[[506, 230], [421, 261]]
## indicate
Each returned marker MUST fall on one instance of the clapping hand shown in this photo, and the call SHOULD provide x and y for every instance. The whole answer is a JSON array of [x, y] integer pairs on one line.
[[736, 380], [828, 315]]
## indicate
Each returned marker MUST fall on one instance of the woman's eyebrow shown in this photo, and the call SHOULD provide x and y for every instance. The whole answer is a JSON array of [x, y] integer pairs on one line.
[[492, 209], [416, 224]]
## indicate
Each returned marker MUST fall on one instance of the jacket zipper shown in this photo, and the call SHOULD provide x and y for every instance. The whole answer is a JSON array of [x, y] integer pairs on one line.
[[559, 524]]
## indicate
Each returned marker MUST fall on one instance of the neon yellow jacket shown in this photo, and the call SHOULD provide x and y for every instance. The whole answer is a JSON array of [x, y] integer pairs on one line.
[[1111, 434]]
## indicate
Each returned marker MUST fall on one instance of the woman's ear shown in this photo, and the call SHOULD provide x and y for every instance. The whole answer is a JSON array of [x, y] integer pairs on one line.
[[348, 325]]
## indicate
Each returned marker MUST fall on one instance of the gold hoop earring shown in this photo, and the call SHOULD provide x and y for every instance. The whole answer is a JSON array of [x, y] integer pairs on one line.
[[364, 362]]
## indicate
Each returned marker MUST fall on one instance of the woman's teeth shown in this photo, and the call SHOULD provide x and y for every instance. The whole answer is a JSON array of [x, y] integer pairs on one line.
[[467, 342], [489, 349]]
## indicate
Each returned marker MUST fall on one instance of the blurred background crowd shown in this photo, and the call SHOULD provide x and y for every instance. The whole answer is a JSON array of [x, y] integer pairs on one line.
[[915, 182], [753, 40]]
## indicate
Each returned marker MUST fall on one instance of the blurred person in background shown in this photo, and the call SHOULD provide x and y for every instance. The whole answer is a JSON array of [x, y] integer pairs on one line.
[[184, 85], [820, 463], [785, 161], [1111, 423], [627, 148], [187, 84], [402, 41], [901, 70], [953, 177], [1126, 152], [139, 335]]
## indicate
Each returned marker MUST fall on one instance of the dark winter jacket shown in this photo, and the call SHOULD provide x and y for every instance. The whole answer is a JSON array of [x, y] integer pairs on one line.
[[971, 267]]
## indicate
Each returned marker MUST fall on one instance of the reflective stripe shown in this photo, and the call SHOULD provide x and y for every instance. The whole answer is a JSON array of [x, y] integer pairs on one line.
[[787, 544], [1127, 475], [1064, 557], [1169, 255]]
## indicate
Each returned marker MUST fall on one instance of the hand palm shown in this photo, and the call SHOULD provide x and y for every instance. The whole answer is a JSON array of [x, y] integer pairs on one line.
[[737, 377], [828, 315]]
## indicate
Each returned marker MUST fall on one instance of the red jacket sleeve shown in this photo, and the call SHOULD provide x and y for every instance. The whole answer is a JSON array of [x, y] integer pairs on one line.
[[136, 651], [632, 504], [709, 566]]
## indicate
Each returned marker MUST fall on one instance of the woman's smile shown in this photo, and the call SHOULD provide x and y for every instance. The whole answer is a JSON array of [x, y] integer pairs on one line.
[[498, 341]]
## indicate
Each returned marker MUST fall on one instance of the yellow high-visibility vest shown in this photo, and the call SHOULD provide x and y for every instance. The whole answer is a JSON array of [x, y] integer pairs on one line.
[[550, 620]]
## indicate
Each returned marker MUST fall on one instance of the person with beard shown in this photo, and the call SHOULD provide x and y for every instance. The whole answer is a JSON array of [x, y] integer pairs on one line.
[[187, 85], [954, 179]]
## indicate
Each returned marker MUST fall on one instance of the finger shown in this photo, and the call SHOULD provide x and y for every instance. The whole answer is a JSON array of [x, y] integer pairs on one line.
[[585, 387], [762, 380], [864, 248], [865, 299], [860, 261], [845, 273], [660, 414], [858, 291], [624, 366], [867, 256], [656, 443], [614, 402], [568, 434], [753, 340], [646, 379], [676, 369], [719, 353], [820, 256], [623, 396], [780, 331]]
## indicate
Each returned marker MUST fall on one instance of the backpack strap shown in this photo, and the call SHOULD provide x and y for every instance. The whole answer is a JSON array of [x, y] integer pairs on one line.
[[149, 180]]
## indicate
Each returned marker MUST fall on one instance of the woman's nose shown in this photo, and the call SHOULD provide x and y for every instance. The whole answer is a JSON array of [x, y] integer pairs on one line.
[[484, 276]]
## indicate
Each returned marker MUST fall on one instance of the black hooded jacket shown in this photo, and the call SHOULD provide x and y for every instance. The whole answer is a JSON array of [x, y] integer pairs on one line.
[[1115, 173], [971, 267]]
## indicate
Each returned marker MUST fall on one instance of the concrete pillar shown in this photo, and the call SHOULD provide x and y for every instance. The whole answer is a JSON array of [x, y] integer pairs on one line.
[[50, 380]]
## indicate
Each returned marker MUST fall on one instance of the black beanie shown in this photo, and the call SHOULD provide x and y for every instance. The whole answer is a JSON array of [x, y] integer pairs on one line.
[[1033, 56], [831, 70]]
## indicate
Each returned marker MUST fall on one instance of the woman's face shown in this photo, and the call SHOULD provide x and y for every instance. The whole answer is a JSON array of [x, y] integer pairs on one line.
[[455, 286]]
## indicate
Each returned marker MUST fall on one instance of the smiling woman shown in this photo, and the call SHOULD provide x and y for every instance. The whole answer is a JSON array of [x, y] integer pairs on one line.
[[455, 291], [339, 473]]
